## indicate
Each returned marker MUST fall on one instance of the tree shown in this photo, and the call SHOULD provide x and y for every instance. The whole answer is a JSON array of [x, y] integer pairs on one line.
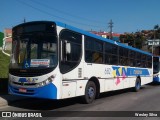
[[1, 39], [139, 39], [156, 27]]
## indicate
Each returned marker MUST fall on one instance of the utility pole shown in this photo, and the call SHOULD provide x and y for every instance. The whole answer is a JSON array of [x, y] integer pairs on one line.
[[110, 26], [153, 46], [24, 20]]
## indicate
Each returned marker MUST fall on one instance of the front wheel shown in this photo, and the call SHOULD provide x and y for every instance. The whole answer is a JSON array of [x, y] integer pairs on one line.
[[90, 92], [137, 85]]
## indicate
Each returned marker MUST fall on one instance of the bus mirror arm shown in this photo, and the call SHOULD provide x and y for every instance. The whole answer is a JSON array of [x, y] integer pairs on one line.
[[61, 57], [65, 49], [68, 48]]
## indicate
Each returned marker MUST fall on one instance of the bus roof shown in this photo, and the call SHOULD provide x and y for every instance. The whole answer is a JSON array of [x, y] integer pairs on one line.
[[99, 37], [89, 34]]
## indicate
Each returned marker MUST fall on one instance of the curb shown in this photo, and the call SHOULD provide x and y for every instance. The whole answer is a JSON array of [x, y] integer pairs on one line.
[[5, 100]]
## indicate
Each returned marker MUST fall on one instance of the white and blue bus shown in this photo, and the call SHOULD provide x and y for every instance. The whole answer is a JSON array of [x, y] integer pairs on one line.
[[56, 61], [156, 69]]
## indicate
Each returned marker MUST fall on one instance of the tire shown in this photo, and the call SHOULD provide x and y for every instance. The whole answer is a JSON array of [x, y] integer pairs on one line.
[[137, 85], [90, 93]]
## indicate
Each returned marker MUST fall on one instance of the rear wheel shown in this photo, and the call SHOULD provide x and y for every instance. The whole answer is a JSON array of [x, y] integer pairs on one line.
[[90, 92], [137, 85]]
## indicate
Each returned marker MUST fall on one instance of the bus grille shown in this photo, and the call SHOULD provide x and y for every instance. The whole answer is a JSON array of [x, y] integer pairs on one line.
[[24, 84], [29, 72]]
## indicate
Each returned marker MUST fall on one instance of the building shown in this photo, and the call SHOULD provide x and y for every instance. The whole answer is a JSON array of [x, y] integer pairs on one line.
[[7, 40], [156, 46], [115, 36]]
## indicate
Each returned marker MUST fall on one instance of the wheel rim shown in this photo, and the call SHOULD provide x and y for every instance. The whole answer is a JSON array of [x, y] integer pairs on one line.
[[138, 85], [91, 92]]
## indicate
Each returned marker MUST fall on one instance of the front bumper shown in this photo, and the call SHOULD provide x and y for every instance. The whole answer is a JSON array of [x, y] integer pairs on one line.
[[48, 91]]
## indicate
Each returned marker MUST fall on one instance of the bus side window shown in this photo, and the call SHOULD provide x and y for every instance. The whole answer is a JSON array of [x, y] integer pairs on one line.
[[138, 63], [71, 50], [93, 50], [114, 59], [108, 59], [97, 57]]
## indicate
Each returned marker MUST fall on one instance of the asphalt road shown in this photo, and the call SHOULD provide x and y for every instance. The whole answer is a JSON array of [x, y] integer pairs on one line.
[[147, 99]]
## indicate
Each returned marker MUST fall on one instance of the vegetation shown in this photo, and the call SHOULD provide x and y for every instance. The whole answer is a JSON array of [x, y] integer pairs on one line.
[[4, 64], [1, 38], [133, 39], [139, 39]]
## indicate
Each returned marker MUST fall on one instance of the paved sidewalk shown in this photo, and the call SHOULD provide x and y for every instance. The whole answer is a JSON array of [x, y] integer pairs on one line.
[[7, 99]]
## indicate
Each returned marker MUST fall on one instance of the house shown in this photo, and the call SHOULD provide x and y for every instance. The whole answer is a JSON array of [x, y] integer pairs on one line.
[[7, 40], [115, 36]]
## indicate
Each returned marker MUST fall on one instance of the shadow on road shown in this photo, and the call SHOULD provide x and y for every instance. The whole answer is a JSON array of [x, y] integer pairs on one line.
[[45, 104], [3, 86], [154, 84]]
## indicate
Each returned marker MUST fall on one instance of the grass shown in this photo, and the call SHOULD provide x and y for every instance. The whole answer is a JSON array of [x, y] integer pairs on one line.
[[4, 65]]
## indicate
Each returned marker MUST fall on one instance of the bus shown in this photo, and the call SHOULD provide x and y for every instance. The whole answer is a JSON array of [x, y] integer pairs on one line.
[[54, 60], [156, 69]]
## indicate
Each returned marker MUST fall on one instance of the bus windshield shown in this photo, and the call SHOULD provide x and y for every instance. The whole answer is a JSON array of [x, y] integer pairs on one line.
[[34, 49], [156, 65]]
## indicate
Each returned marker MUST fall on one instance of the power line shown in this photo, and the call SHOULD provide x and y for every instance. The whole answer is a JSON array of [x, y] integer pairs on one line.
[[66, 13], [56, 16]]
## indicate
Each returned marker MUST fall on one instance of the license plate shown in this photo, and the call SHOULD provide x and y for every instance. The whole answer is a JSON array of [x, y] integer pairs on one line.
[[22, 90]]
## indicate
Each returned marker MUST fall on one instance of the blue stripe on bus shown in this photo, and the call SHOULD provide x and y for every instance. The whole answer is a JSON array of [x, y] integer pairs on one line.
[[48, 91], [156, 79], [127, 71], [137, 72]]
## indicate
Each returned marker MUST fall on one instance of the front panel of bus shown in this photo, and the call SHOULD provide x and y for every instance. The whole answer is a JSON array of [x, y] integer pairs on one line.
[[33, 67], [156, 69]]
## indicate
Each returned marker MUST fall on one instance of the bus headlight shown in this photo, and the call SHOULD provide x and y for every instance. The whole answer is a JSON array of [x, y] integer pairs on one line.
[[45, 82]]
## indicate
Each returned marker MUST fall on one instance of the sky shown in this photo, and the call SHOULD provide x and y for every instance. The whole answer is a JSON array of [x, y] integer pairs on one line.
[[127, 15]]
